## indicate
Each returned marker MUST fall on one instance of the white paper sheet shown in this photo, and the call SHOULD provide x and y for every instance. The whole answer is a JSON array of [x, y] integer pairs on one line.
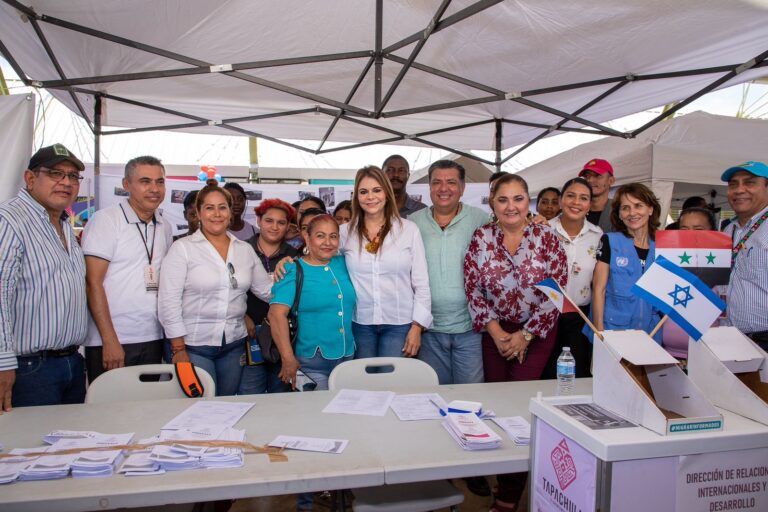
[[419, 406], [310, 444], [355, 401], [205, 413], [517, 428]]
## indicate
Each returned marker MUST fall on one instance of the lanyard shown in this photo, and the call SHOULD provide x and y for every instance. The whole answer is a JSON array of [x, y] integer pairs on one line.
[[150, 253], [739, 246]]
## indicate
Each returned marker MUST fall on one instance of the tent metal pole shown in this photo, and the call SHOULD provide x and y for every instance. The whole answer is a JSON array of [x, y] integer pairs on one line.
[[97, 150], [559, 124], [454, 128], [447, 22], [59, 70], [361, 145], [701, 92], [270, 116], [498, 124], [428, 31], [201, 70], [155, 128], [379, 63], [451, 150], [348, 99], [447, 76], [566, 115], [14, 65], [265, 137]]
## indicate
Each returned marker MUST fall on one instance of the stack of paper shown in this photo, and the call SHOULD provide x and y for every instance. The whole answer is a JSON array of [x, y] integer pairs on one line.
[[94, 463], [46, 467], [177, 457], [140, 464], [11, 468], [356, 401], [471, 432], [517, 428]]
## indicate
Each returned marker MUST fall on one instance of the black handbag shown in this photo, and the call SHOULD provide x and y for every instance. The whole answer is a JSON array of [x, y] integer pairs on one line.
[[268, 348]]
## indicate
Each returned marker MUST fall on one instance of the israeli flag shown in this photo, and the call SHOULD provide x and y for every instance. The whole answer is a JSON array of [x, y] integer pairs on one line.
[[681, 295]]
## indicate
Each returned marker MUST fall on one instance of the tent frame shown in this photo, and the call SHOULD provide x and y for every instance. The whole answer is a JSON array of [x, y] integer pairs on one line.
[[346, 110]]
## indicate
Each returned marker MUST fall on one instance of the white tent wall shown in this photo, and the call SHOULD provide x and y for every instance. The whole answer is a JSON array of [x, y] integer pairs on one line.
[[17, 119], [690, 152], [305, 66]]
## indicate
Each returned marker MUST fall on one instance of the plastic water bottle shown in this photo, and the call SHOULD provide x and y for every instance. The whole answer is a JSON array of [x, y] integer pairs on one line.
[[566, 372]]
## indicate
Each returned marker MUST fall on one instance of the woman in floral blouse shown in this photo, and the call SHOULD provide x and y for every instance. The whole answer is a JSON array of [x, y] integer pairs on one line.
[[504, 261]]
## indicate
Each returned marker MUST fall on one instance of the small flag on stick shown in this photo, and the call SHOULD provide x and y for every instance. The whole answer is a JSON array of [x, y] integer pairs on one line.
[[555, 293], [681, 295], [552, 290]]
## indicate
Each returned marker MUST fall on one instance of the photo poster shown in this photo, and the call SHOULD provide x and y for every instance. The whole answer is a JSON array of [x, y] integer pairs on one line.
[[111, 192], [565, 474]]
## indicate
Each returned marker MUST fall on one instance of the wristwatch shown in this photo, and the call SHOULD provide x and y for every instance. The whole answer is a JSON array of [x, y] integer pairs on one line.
[[527, 335]]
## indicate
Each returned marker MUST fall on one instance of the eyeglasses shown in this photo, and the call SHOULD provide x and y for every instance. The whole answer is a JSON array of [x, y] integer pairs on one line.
[[232, 279], [58, 175]]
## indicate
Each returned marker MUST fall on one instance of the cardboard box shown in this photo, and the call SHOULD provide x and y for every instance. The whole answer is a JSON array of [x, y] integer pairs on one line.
[[732, 371], [638, 380]]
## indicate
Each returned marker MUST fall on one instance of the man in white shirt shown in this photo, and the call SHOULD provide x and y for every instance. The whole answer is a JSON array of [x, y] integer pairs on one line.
[[124, 247]]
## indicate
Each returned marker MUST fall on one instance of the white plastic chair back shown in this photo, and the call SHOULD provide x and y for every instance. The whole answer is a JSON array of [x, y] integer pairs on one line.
[[126, 384], [382, 373]]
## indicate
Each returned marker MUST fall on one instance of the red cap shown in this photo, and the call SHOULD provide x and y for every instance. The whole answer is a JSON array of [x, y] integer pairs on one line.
[[597, 165]]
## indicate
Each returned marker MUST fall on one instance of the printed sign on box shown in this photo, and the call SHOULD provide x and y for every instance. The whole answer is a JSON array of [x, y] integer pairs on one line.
[[713, 482], [565, 474]]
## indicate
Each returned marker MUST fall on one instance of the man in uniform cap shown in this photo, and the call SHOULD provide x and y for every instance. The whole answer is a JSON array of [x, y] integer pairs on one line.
[[748, 286], [599, 175], [43, 313]]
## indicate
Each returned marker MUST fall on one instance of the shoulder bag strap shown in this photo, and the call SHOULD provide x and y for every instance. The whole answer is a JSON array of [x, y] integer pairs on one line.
[[299, 286]]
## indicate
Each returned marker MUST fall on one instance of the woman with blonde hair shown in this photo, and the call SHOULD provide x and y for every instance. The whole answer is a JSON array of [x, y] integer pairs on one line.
[[385, 257]]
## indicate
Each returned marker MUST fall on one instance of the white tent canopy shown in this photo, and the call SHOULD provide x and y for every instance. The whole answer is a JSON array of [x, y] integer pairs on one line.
[[458, 75], [680, 157]]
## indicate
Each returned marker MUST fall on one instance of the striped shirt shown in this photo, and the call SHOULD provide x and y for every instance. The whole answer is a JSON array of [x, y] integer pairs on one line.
[[748, 287], [42, 286]]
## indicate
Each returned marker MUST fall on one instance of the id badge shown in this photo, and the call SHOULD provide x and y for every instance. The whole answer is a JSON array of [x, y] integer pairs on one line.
[[151, 279]]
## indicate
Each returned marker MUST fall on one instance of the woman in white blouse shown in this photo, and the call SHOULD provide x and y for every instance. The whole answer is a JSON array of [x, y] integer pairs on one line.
[[202, 296], [580, 239], [386, 262]]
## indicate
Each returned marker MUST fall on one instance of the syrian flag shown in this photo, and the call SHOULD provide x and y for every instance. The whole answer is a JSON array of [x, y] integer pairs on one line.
[[706, 254], [552, 290], [681, 295]]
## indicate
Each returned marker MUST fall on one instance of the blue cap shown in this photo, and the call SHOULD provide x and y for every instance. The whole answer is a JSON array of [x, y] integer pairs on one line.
[[756, 168]]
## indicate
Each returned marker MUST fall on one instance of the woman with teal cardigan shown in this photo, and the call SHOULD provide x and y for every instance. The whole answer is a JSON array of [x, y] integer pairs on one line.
[[326, 307]]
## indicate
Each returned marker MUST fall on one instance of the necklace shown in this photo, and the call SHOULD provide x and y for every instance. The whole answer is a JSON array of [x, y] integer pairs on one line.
[[739, 246], [444, 225], [373, 243]]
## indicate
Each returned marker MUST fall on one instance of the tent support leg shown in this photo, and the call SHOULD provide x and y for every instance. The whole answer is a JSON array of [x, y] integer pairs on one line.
[[96, 149], [499, 129]]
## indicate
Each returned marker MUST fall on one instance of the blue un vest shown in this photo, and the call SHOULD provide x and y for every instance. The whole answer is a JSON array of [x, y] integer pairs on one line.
[[624, 309]]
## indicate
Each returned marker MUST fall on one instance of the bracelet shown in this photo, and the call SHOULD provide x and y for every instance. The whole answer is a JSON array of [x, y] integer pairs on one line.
[[176, 350]]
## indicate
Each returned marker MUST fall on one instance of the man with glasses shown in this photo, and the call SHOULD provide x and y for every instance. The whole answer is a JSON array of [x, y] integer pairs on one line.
[[124, 247], [398, 171], [43, 315]]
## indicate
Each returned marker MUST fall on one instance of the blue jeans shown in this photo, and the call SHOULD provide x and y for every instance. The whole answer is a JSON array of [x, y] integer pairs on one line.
[[319, 368], [42, 380], [224, 363], [457, 358], [383, 340], [262, 378]]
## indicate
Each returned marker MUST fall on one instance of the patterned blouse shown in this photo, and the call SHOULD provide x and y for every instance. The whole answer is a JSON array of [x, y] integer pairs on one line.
[[500, 285]]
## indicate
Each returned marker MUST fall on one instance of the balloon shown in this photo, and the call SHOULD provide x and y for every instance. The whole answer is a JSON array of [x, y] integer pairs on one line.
[[218, 178], [202, 176]]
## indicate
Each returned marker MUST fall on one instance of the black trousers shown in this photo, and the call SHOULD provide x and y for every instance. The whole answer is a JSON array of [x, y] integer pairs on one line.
[[148, 352], [569, 334]]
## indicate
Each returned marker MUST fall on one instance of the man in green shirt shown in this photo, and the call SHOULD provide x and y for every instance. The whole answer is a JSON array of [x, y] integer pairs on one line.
[[450, 346]]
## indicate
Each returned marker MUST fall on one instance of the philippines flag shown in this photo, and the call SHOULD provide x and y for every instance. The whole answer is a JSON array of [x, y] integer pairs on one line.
[[552, 290], [681, 295], [706, 254]]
